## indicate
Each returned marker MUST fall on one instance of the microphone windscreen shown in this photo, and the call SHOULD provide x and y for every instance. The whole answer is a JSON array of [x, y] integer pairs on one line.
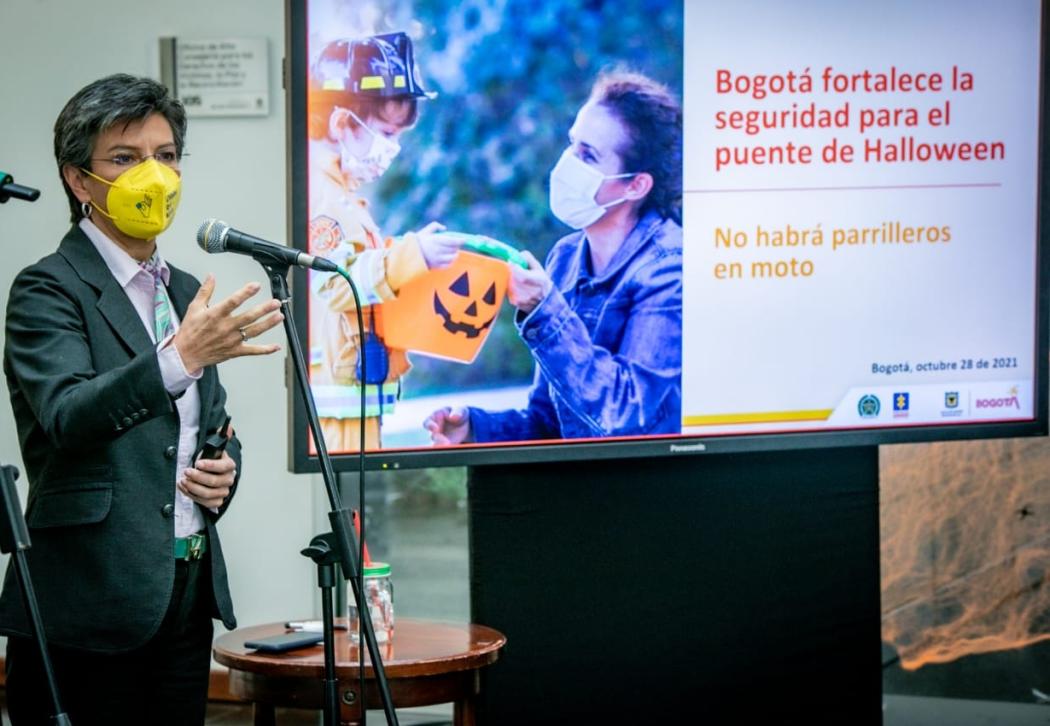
[[211, 236]]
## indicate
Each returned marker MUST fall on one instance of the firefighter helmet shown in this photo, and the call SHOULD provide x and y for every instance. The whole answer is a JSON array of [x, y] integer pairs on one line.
[[380, 66]]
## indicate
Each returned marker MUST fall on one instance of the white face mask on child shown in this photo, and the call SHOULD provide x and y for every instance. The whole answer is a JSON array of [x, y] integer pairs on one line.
[[374, 163]]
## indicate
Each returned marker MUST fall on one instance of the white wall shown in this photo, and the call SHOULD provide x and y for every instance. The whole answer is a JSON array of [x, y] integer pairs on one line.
[[48, 50]]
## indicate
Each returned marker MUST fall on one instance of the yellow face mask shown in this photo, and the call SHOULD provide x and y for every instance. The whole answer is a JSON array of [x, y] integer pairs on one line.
[[142, 201]]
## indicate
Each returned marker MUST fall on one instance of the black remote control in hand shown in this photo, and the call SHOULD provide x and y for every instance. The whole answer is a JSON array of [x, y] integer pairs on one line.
[[215, 444]]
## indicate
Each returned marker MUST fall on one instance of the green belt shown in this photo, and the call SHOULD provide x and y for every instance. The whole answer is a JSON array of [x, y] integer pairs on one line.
[[191, 548]]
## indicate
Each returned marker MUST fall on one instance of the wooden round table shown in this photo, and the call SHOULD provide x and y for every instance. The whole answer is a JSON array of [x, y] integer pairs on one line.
[[425, 663]]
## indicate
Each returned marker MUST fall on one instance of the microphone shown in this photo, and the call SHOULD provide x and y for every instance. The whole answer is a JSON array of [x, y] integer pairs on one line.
[[9, 189], [215, 236]]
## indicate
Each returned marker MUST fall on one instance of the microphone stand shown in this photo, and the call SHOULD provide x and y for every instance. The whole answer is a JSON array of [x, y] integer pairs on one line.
[[14, 538], [14, 534], [336, 546]]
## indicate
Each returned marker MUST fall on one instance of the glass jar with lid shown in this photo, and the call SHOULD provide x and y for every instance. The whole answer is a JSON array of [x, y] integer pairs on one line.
[[379, 596]]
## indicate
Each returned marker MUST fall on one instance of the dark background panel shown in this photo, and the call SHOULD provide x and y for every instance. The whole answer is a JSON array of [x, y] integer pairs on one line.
[[739, 584]]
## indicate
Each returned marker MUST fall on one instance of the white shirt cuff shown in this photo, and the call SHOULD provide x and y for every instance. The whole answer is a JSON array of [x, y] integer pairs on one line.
[[172, 370]]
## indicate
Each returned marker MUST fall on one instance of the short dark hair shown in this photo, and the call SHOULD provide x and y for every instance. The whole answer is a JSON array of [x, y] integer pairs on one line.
[[652, 118], [100, 105]]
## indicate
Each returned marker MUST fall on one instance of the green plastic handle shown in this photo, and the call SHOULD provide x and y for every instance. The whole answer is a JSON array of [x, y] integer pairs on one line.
[[490, 247]]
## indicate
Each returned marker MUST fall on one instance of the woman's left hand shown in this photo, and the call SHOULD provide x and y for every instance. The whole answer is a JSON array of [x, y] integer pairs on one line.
[[528, 288], [209, 481]]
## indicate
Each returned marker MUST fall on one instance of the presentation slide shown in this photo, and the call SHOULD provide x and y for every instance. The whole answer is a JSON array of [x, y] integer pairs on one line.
[[840, 233]]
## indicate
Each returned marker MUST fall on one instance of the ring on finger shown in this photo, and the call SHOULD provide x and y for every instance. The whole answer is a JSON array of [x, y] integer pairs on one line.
[[244, 334]]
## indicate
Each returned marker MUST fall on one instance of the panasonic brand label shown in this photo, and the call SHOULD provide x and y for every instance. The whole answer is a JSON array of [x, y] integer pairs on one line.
[[680, 448]]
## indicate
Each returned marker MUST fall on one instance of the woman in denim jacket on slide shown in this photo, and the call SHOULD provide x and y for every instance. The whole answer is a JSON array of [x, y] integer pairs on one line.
[[603, 319]]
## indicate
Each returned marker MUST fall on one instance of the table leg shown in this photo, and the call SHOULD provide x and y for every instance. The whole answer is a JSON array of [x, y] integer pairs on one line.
[[463, 713], [263, 714]]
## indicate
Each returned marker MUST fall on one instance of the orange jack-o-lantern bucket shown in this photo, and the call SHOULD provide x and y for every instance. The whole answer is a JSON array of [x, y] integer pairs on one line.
[[447, 312]]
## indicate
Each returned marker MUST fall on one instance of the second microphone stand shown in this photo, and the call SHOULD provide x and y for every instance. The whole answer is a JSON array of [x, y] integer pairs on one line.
[[14, 540], [335, 547]]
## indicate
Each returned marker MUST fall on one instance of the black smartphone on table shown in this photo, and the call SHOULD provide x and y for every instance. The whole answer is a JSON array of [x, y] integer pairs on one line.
[[284, 642]]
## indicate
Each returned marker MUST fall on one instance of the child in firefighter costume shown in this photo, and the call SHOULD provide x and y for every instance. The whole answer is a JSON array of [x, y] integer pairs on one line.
[[364, 95]]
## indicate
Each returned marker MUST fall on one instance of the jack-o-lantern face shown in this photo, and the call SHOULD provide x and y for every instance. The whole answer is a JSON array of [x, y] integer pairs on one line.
[[447, 312], [463, 309]]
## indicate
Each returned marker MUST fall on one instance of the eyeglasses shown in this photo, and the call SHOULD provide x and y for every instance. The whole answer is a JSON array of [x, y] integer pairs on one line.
[[167, 158]]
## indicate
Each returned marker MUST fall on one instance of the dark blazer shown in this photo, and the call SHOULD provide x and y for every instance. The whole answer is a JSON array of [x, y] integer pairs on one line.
[[99, 435]]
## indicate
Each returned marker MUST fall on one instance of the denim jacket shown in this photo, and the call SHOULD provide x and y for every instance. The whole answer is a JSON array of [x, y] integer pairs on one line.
[[608, 347]]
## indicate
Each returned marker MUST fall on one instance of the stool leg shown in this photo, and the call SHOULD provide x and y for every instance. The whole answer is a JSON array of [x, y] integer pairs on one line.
[[264, 714]]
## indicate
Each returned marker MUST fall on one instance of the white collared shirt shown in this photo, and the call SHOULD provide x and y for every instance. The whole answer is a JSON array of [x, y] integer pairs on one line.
[[138, 285]]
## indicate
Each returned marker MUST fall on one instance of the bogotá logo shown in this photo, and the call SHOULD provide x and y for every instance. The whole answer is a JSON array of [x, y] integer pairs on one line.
[[868, 406], [951, 399], [1010, 400]]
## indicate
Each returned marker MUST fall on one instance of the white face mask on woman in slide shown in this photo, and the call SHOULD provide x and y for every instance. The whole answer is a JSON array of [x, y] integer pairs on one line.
[[574, 186]]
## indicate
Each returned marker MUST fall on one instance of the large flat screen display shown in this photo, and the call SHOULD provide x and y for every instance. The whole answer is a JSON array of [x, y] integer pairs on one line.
[[664, 227]]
